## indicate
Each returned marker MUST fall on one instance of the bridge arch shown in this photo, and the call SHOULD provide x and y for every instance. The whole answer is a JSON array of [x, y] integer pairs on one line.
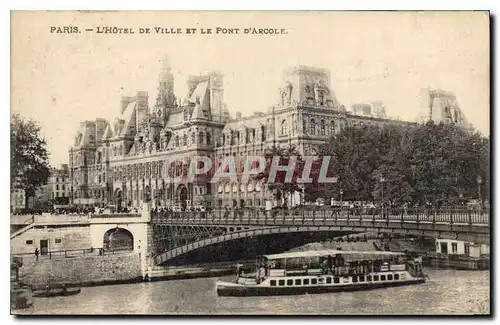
[[100, 235], [118, 239], [244, 233]]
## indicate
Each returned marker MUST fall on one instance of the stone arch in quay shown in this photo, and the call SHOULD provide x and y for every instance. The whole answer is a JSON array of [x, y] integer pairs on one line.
[[118, 239]]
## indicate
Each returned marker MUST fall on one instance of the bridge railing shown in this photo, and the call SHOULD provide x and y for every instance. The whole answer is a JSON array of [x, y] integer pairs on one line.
[[308, 216], [68, 253], [115, 215]]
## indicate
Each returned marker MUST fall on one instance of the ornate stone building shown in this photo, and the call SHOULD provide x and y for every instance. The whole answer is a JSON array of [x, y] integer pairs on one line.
[[121, 162]]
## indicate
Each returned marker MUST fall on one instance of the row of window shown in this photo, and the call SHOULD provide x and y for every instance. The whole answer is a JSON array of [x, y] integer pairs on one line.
[[235, 203], [56, 195], [56, 241], [201, 139], [250, 188], [249, 135], [63, 187], [328, 280]]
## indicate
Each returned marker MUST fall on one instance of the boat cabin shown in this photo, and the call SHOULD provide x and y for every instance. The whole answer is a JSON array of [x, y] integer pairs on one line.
[[330, 266]]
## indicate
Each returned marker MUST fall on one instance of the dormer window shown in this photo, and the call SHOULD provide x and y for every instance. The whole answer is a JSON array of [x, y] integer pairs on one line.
[[283, 98], [321, 98]]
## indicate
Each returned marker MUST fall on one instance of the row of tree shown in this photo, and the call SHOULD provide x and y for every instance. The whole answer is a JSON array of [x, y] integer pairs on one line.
[[419, 165]]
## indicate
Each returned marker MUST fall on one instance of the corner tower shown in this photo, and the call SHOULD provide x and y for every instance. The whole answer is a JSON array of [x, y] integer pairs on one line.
[[165, 100]]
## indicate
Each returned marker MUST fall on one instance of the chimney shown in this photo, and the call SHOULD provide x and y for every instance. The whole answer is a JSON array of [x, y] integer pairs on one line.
[[142, 99]]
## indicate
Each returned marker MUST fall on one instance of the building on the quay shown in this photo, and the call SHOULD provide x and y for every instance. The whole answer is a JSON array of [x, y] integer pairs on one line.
[[442, 106], [458, 247], [120, 162], [58, 185]]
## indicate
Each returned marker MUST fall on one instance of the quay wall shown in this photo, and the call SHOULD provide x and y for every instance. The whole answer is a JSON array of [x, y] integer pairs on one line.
[[82, 270]]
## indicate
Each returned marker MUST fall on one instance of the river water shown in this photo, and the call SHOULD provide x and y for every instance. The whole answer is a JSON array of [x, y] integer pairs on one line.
[[446, 292]]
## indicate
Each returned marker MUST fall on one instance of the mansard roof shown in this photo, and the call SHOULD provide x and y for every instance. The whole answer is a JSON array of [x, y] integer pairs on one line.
[[198, 113], [199, 93], [252, 122], [175, 119]]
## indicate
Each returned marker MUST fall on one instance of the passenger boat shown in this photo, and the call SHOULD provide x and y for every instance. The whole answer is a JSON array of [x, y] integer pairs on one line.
[[56, 292], [324, 271]]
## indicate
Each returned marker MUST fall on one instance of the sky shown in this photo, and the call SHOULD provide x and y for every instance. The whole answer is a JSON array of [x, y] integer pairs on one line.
[[60, 80]]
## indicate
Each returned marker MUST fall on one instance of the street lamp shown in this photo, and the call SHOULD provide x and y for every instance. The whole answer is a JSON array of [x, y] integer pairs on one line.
[[341, 202], [479, 181]]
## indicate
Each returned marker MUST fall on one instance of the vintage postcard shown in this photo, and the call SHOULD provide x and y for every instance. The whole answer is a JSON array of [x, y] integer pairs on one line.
[[238, 163]]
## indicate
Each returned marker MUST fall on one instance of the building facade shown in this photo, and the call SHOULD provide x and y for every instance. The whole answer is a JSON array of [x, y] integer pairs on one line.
[[17, 200], [58, 185], [121, 162], [57, 190]]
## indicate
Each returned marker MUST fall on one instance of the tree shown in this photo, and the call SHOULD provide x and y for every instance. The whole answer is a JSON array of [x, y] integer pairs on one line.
[[445, 161], [279, 186], [356, 153], [29, 157]]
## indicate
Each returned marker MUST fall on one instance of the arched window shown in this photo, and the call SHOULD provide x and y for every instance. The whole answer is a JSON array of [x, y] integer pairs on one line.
[[209, 140], [185, 140], [312, 127], [193, 138], [332, 128], [177, 141], [284, 127], [283, 98], [322, 124], [201, 138]]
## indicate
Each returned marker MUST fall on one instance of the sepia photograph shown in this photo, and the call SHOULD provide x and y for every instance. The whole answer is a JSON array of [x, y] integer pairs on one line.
[[250, 163]]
